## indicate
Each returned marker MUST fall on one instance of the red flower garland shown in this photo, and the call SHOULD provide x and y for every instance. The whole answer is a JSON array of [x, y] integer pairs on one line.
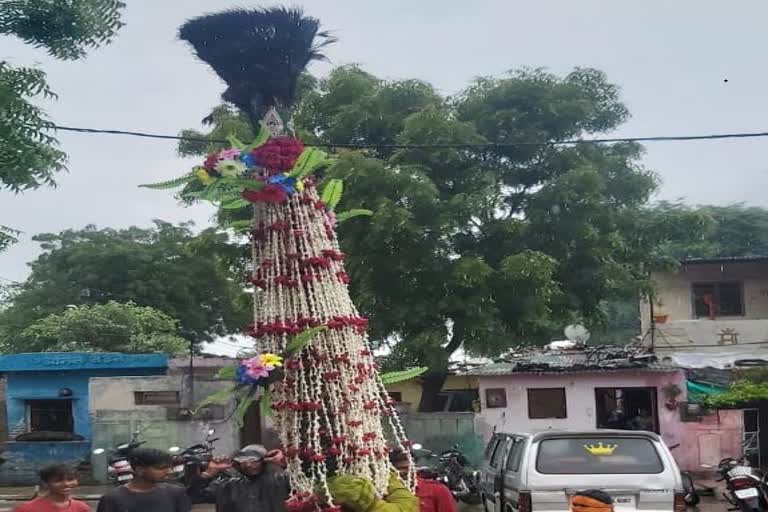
[[278, 154]]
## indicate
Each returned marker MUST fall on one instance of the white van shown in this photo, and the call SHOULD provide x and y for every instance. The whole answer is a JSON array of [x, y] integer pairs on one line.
[[525, 472]]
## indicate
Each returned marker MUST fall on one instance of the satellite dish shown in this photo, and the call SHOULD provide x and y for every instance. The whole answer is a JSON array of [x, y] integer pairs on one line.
[[577, 333]]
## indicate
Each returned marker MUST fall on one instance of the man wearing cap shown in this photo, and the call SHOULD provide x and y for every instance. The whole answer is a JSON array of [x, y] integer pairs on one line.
[[260, 484]]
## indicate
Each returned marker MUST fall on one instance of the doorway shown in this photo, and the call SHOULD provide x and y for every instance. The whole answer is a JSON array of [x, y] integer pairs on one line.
[[633, 408], [250, 433]]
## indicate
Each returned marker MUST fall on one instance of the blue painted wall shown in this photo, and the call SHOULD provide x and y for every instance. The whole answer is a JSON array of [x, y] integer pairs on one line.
[[41, 376], [22, 386], [24, 460]]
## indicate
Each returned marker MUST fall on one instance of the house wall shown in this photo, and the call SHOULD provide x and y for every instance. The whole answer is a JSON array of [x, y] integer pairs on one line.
[[411, 389], [674, 298], [115, 415], [41, 376], [715, 437], [580, 403]]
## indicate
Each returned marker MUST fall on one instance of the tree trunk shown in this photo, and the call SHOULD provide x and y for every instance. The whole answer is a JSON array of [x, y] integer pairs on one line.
[[432, 382], [431, 385]]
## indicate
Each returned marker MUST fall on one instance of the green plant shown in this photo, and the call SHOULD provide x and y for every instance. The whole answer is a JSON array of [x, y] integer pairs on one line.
[[738, 394]]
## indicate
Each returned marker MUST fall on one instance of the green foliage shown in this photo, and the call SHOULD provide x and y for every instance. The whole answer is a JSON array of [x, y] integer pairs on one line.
[[298, 342], [310, 160], [28, 155], [228, 373], [109, 327], [187, 276], [265, 405], [739, 394], [351, 214], [332, 192], [243, 404], [170, 184], [8, 236], [402, 375], [483, 248], [64, 28]]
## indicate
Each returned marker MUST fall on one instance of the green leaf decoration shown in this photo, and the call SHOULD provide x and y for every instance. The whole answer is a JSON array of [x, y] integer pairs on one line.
[[300, 341], [308, 162], [245, 183], [265, 404], [341, 217], [261, 137], [222, 396], [174, 183], [403, 375], [240, 225], [332, 193], [226, 373], [235, 204], [236, 143], [242, 407]]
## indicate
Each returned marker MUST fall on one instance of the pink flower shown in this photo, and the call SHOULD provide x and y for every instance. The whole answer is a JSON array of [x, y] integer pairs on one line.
[[229, 154], [255, 368]]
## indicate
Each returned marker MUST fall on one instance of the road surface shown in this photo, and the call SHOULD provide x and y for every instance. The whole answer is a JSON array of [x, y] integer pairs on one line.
[[707, 505]]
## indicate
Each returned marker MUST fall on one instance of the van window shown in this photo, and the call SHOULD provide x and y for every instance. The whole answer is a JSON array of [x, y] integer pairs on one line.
[[515, 454], [491, 446], [598, 455], [498, 452]]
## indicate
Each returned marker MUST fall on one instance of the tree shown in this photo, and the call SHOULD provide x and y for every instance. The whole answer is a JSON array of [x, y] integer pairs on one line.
[[734, 230], [483, 247], [7, 237], [108, 327], [186, 276], [29, 157]]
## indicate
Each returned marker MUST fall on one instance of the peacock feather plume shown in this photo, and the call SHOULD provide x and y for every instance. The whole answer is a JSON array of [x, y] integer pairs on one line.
[[259, 53]]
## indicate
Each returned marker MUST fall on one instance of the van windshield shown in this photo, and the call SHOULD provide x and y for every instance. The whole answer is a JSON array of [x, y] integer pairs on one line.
[[598, 455]]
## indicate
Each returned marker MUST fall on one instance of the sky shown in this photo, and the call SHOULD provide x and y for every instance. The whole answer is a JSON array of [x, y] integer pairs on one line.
[[671, 60]]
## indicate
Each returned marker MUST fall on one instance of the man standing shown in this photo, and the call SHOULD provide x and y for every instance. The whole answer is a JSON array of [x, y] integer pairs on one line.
[[433, 496], [260, 484], [60, 482], [147, 492]]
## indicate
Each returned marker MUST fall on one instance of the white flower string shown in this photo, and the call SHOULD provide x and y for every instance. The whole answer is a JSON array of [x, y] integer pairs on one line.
[[330, 403]]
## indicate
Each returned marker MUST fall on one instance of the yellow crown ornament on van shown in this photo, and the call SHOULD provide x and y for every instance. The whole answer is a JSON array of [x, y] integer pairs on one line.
[[600, 449]]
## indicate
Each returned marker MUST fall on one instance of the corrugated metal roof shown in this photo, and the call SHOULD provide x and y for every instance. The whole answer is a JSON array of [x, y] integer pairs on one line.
[[502, 369], [725, 259]]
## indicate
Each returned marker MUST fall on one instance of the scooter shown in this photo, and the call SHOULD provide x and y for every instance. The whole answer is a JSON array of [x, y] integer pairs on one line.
[[190, 463], [745, 487], [451, 471], [119, 470]]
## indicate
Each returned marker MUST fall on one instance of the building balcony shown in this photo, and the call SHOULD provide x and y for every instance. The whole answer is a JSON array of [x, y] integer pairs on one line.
[[695, 335]]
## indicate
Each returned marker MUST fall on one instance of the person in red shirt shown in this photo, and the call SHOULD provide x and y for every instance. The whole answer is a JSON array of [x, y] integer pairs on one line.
[[59, 482], [433, 496]]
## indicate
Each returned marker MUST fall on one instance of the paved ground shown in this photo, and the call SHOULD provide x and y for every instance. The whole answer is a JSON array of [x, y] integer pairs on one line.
[[708, 504]]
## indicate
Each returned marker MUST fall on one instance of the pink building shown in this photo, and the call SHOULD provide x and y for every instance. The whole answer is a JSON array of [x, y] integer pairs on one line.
[[567, 390]]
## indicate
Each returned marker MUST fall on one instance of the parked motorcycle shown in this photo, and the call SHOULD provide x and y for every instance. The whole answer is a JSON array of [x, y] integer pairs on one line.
[[691, 496], [119, 470], [190, 463], [451, 470], [745, 487]]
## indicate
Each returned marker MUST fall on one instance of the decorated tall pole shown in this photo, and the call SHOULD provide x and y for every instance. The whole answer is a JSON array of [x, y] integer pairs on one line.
[[312, 365]]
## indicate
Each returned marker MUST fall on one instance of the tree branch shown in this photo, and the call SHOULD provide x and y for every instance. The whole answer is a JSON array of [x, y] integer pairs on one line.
[[459, 330]]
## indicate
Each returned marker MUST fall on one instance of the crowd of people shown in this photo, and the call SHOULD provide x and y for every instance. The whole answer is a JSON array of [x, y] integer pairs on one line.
[[253, 480]]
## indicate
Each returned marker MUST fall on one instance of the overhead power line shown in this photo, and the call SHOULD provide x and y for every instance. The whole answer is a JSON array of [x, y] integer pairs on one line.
[[717, 136]]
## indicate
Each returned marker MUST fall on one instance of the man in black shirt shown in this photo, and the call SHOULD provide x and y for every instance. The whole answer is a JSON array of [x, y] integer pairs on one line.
[[147, 492], [260, 484]]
